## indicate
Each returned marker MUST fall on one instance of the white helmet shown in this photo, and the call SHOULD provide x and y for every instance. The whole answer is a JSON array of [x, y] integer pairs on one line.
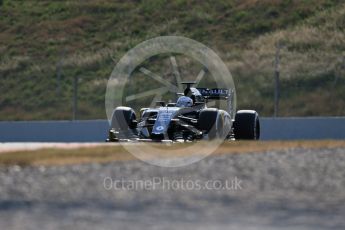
[[184, 102]]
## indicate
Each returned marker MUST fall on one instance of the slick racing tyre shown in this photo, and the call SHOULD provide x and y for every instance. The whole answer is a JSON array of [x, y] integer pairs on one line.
[[247, 125], [123, 119], [216, 123]]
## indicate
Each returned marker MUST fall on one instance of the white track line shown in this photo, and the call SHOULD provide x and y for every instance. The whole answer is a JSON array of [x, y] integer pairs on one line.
[[29, 146]]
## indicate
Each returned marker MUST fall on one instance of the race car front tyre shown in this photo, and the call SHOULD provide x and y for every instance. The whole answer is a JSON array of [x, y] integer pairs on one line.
[[247, 125], [123, 118], [214, 123]]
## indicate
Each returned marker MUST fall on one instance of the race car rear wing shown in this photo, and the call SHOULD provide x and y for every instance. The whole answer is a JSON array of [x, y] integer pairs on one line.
[[215, 94]]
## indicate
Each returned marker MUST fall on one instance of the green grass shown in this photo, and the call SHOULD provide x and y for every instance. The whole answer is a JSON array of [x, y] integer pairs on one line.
[[93, 36]]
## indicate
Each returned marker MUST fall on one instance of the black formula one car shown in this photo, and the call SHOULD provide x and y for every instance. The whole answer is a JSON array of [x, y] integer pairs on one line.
[[188, 119]]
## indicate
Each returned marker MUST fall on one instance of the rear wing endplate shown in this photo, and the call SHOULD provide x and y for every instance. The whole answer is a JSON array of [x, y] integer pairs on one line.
[[215, 94]]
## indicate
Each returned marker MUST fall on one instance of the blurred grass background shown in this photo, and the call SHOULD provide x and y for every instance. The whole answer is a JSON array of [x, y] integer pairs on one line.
[[87, 38]]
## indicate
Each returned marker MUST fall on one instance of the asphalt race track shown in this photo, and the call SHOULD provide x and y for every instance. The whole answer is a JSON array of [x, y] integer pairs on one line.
[[286, 189]]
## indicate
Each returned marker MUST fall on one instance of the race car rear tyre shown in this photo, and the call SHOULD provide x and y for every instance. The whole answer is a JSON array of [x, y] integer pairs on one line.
[[123, 118], [214, 123], [247, 125]]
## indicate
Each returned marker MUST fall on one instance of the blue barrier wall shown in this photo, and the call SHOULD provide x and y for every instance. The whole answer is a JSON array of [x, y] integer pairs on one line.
[[96, 130], [309, 128], [54, 131]]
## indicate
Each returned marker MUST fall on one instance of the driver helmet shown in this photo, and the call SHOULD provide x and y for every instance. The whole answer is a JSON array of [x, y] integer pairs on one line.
[[184, 102]]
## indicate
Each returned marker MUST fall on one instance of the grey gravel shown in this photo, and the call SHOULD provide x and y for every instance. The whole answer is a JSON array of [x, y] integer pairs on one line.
[[287, 189]]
